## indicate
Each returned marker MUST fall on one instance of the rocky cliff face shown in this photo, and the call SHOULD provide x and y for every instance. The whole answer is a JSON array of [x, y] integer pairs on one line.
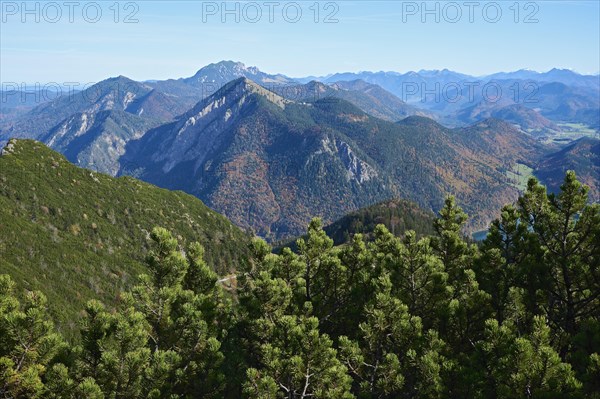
[[203, 128], [93, 126], [97, 140]]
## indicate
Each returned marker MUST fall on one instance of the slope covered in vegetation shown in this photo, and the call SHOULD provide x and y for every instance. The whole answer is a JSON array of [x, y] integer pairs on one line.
[[435, 317], [79, 235], [397, 215]]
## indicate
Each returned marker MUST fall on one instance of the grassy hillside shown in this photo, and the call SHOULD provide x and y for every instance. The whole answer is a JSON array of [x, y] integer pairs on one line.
[[77, 234]]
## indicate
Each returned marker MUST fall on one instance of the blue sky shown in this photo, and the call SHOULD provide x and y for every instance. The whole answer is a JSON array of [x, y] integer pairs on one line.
[[173, 39]]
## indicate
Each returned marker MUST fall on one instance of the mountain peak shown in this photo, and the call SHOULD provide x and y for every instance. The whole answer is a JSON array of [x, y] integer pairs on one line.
[[120, 79], [218, 74], [119, 84], [219, 71], [319, 87], [233, 95], [244, 86], [563, 71], [236, 65]]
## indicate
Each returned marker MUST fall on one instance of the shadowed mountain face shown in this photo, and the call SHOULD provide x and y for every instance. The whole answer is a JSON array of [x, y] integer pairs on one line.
[[583, 156], [269, 163]]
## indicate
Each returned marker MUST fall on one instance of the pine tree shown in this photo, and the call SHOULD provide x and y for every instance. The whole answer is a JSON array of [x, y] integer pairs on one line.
[[60, 385], [288, 355], [96, 328], [449, 242], [418, 278], [297, 362], [314, 251], [593, 376], [330, 284], [183, 342], [125, 357], [261, 296], [516, 366], [394, 358], [162, 341], [28, 342], [462, 321], [508, 267], [567, 232], [360, 286]]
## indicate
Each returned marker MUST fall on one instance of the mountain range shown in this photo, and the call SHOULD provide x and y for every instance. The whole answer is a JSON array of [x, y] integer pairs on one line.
[[559, 95], [269, 151], [269, 163]]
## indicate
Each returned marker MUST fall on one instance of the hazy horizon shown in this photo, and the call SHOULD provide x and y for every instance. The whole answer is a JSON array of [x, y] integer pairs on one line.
[[155, 40], [30, 84]]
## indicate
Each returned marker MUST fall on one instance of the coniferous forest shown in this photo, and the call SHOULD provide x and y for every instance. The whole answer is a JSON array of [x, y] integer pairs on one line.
[[516, 316]]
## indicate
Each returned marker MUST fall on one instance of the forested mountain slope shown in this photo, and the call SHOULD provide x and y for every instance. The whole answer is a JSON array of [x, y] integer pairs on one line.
[[78, 234]]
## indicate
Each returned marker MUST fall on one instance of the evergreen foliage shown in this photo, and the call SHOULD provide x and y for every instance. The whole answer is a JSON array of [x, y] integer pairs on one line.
[[79, 235], [392, 317]]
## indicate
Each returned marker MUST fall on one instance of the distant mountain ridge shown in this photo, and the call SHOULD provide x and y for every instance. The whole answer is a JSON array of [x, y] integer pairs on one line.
[[370, 98], [582, 155], [559, 95], [564, 76]]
